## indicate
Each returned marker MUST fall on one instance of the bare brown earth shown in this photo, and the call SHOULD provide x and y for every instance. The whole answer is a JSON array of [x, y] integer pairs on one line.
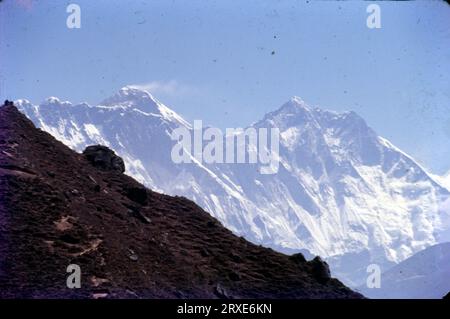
[[57, 209]]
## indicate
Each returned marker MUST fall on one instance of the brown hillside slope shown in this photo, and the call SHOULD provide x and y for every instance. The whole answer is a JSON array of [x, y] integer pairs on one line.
[[56, 209]]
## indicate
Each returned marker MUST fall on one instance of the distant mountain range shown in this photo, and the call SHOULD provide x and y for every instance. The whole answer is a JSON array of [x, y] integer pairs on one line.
[[424, 275], [341, 191]]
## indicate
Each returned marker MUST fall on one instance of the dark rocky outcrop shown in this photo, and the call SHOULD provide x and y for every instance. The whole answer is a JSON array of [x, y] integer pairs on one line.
[[8, 103], [104, 158], [320, 270], [57, 209], [298, 258], [447, 296]]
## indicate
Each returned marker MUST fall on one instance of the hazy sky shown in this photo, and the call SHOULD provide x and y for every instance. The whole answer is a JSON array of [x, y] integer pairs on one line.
[[230, 62]]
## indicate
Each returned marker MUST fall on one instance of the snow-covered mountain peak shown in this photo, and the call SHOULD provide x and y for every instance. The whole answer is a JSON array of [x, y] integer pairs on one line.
[[54, 101], [297, 100], [21, 102], [294, 113], [132, 97], [297, 114], [135, 93], [295, 105]]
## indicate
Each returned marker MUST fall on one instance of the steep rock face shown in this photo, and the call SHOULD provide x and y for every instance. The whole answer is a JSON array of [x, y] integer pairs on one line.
[[341, 191], [57, 208]]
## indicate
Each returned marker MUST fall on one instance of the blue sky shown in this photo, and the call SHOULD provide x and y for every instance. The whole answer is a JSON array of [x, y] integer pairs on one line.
[[230, 62]]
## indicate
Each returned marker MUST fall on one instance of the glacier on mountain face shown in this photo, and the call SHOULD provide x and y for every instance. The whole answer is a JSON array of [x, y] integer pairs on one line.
[[341, 191]]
